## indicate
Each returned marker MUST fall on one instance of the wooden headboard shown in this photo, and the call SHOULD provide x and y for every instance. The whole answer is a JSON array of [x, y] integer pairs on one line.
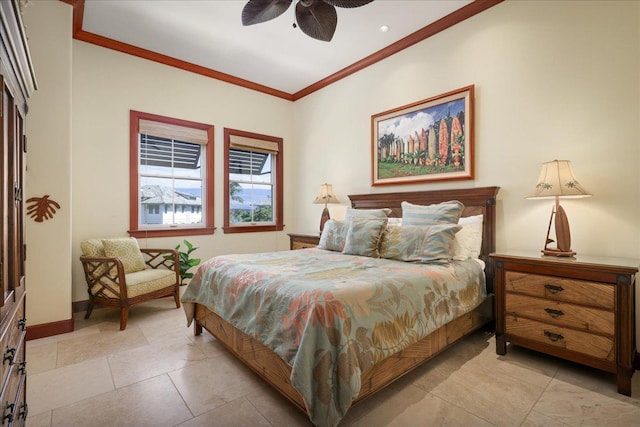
[[480, 200]]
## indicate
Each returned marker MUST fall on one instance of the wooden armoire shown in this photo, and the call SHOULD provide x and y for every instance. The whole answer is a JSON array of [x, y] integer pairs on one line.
[[17, 81]]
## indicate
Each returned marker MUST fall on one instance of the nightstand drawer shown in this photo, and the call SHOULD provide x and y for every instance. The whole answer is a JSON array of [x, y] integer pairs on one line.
[[561, 314], [302, 245], [560, 289], [303, 241], [598, 346]]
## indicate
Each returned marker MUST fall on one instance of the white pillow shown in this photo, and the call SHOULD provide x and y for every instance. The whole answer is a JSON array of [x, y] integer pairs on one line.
[[468, 241]]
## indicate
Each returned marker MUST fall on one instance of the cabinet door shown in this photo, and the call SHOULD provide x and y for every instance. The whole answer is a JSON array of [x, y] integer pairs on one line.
[[11, 204]]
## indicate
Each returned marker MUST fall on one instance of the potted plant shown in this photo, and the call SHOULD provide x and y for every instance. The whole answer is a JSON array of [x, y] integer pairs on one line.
[[186, 262]]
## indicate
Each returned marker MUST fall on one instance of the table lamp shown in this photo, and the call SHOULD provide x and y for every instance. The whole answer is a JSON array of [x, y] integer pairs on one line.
[[557, 180], [325, 196]]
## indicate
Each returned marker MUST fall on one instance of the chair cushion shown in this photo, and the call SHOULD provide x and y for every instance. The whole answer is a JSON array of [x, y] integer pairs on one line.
[[127, 250], [94, 248], [145, 281]]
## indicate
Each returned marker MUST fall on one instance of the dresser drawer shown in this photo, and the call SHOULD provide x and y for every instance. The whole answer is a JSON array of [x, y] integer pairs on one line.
[[592, 294], [598, 346], [561, 314]]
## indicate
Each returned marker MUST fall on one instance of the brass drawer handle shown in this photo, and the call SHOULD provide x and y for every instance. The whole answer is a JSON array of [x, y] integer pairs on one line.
[[8, 355], [554, 289], [23, 412], [7, 413], [553, 336], [554, 313]]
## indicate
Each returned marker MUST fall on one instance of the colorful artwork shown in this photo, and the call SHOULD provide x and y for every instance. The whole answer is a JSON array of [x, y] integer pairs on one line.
[[430, 140]]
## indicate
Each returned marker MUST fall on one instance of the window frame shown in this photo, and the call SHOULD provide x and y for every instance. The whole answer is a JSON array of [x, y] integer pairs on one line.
[[278, 185], [134, 183]]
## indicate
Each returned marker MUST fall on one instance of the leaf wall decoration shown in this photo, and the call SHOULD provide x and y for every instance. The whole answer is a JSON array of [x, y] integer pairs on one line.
[[41, 208]]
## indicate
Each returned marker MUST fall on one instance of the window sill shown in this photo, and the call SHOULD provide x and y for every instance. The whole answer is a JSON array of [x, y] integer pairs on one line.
[[252, 228], [170, 232]]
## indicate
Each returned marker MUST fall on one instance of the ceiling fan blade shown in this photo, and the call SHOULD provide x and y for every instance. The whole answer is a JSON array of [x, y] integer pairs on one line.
[[257, 11], [318, 20], [348, 3]]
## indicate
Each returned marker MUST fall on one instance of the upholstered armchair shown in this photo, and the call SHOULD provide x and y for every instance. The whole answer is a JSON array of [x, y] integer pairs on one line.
[[119, 274]]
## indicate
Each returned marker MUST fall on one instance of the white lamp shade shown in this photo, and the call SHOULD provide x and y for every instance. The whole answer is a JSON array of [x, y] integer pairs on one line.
[[557, 180], [326, 195]]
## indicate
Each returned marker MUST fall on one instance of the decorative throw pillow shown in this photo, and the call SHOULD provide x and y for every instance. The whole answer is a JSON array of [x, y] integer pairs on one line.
[[438, 243], [363, 236], [402, 243], [366, 213], [468, 241], [333, 235], [127, 250], [442, 213], [94, 248], [423, 244]]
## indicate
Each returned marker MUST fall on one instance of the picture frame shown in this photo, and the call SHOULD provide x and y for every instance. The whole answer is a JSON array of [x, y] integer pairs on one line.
[[427, 141]]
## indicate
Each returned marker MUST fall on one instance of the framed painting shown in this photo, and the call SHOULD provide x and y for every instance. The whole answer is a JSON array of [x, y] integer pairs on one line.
[[428, 140]]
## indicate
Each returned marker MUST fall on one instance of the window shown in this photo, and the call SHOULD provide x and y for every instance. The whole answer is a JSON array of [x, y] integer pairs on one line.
[[253, 182], [171, 167]]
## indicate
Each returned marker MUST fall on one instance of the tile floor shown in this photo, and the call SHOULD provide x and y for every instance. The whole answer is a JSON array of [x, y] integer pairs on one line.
[[156, 373]]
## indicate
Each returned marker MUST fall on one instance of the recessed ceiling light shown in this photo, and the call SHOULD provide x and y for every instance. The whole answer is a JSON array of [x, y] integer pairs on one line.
[[384, 28]]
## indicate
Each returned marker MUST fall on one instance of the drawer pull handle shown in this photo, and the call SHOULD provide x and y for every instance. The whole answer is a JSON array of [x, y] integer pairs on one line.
[[22, 323], [554, 313], [553, 336], [22, 367], [8, 355], [554, 289], [24, 411], [7, 414]]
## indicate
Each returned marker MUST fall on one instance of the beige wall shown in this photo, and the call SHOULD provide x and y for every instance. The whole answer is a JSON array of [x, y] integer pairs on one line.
[[49, 163], [106, 85], [553, 80]]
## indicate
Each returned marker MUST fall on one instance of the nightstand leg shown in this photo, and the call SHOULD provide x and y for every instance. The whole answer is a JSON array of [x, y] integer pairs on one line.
[[501, 345], [624, 385]]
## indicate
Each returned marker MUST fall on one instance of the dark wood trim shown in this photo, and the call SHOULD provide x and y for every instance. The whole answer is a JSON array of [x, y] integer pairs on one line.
[[277, 205], [434, 28], [85, 36], [49, 329], [79, 306], [207, 197]]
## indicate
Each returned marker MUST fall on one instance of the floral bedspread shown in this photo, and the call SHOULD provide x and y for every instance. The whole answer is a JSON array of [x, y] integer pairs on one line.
[[331, 316]]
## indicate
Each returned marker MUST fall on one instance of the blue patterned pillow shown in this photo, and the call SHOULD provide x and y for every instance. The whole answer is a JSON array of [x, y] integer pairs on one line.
[[333, 235], [442, 213], [423, 244], [363, 236], [366, 213]]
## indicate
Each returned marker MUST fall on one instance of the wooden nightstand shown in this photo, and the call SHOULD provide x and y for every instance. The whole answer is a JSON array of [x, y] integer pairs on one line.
[[581, 309], [301, 241]]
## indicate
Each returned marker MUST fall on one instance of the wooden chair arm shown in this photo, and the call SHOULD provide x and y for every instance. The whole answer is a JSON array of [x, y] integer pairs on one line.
[[163, 258], [105, 272], [167, 258]]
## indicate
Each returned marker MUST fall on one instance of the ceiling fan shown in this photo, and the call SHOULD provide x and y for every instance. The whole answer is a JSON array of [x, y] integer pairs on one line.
[[316, 18]]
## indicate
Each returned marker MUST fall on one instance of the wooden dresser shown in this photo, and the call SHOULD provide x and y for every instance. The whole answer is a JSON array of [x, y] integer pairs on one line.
[[18, 82], [301, 241], [581, 309]]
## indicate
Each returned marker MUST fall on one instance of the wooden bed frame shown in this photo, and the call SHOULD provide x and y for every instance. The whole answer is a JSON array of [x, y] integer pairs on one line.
[[277, 372]]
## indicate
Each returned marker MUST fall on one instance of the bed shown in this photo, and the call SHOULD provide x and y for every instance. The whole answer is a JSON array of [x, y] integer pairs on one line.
[[321, 381]]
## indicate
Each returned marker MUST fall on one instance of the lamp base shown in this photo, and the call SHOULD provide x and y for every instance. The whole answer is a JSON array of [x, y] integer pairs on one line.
[[558, 252], [562, 234], [325, 216]]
